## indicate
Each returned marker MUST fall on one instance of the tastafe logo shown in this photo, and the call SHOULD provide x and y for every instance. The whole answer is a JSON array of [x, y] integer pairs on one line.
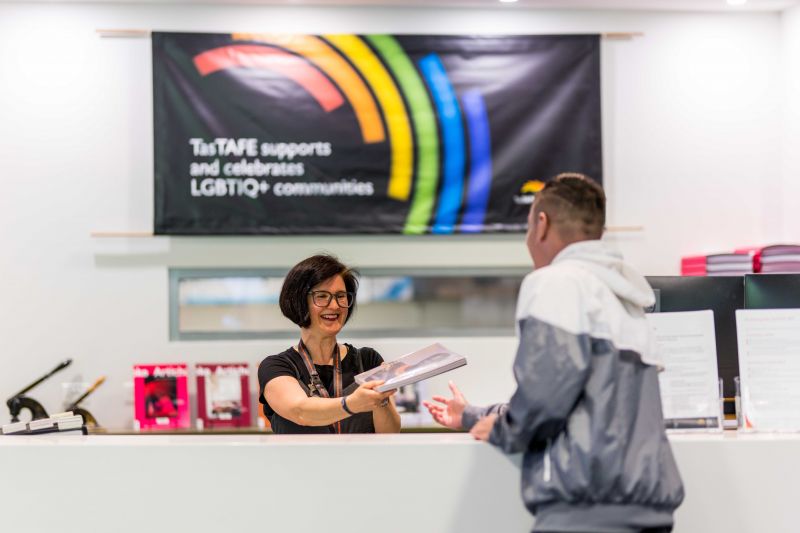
[[528, 191]]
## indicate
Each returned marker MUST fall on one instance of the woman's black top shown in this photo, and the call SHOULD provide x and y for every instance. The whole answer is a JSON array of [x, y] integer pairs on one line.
[[290, 363]]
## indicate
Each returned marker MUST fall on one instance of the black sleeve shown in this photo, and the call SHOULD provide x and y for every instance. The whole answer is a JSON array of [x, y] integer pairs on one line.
[[273, 367], [370, 358]]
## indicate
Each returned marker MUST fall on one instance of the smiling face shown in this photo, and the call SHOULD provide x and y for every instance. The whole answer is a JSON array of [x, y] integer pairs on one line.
[[328, 320]]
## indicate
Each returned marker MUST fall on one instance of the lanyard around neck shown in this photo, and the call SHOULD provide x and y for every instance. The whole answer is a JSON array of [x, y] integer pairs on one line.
[[316, 383]]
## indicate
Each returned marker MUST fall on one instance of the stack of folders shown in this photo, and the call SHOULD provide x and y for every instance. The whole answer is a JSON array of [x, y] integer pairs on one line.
[[774, 259], [732, 264], [64, 423], [736, 263], [779, 258], [694, 265]]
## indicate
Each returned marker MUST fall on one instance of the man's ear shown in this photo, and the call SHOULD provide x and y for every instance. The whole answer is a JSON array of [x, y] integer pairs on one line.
[[542, 226]]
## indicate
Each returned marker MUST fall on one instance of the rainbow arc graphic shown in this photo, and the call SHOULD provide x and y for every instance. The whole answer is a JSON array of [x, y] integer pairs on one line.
[[414, 108]]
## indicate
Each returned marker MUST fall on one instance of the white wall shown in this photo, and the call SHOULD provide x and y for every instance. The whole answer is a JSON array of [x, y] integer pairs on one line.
[[692, 136], [790, 33]]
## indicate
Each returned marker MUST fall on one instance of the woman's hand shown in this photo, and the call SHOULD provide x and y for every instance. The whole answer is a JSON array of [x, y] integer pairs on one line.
[[365, 398]]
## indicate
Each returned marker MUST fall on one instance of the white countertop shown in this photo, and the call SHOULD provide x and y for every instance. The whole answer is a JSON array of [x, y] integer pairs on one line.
[[401, 439], [426, 482]]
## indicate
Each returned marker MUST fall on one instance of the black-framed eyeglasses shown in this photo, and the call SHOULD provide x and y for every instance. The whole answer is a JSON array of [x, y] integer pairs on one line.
[[323, 298]]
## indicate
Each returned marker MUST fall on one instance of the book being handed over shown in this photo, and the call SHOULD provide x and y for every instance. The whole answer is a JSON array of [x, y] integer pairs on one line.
[[410, 368]]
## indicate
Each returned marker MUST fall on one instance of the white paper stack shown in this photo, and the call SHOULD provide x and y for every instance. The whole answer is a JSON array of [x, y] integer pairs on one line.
[[14, 427], [59, 422]]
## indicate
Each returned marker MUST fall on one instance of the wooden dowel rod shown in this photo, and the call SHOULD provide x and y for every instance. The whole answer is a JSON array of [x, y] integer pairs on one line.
[[133, 33], [123, 33], [622, 35], [115, 234], [141, 234], [621, 229]]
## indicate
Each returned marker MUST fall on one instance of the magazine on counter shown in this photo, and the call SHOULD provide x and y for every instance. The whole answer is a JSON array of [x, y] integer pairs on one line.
[[411, 368], [161, 397], [223, 395]]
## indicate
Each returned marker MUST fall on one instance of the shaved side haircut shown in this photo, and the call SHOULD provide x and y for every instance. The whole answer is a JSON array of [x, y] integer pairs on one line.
[[575, 205]]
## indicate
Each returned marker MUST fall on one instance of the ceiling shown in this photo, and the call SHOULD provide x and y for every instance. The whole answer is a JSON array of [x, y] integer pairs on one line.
[[660, 5]]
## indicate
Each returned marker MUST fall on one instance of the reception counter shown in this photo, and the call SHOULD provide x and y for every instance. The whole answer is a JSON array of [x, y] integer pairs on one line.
[[435, 483]]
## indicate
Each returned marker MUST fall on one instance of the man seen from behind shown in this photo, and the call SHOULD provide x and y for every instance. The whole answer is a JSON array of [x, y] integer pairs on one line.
[[586, 413]]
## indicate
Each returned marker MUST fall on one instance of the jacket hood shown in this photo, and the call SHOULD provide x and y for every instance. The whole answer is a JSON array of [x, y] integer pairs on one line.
[[608, 265]]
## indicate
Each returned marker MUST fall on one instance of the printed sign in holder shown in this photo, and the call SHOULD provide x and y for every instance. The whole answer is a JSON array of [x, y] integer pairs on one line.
[[769, 368], [691, 391]]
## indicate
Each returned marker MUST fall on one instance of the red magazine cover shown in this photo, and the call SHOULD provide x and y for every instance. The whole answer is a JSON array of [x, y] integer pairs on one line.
[[161, 396], [223, 395]]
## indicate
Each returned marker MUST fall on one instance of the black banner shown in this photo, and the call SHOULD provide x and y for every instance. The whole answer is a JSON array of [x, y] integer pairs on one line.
[[337, 134]]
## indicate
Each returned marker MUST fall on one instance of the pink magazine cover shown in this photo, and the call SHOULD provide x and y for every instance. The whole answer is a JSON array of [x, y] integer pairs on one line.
[[161, 396], [223, 395]]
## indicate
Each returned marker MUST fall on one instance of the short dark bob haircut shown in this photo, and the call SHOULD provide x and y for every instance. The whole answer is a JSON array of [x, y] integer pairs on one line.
[[306, 275]]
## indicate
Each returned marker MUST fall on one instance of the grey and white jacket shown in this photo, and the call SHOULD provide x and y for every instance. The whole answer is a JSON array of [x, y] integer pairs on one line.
[[587, 410]]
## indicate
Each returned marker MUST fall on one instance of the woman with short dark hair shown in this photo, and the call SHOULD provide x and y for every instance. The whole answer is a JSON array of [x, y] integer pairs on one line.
[[309, 388]]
